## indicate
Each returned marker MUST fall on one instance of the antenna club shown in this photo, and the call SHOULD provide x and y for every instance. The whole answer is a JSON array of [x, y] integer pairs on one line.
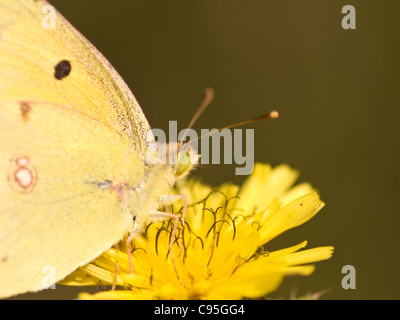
[[274, 114]]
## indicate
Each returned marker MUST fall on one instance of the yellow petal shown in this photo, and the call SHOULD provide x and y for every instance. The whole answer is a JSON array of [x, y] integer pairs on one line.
[[79, 278], [309, 256], [300, 270], [297, 192], [264, 185], [291, 215], [109, 295], [286, 251], [258, 278], [102, 274]]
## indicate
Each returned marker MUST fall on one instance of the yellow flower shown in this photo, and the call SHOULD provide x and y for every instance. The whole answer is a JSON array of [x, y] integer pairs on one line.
[[222, 252]]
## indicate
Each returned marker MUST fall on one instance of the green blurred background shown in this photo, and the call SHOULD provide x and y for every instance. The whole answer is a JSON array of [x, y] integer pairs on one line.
[[336, 91]]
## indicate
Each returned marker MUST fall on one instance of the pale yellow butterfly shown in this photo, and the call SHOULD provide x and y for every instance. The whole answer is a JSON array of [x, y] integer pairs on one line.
[[73, 141]]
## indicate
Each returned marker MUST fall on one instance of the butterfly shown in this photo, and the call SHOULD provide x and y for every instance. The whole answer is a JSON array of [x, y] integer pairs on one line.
[[74, 147]]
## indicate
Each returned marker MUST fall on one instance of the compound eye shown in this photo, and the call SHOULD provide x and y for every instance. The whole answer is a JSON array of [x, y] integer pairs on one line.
[[184, 163]]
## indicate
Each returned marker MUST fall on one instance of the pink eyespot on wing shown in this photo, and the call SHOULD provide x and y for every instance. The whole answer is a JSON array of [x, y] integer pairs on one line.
[[22, 176]]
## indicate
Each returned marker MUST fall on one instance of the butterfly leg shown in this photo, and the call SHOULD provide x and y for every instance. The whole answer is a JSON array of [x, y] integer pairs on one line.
[[171, 198], [115, 276], [119, 188], [165, 215], [114, 284], [129, 244]]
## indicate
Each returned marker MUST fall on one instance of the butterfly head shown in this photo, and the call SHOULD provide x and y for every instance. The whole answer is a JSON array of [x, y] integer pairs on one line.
[[181, 157], [187, 158]]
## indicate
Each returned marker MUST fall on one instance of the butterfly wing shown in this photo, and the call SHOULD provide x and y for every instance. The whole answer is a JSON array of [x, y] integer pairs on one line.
[[41, 60], [58, 207], [70, 131]]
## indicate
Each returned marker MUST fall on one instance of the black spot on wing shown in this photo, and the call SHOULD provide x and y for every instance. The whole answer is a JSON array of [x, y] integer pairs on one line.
[[62, 69]]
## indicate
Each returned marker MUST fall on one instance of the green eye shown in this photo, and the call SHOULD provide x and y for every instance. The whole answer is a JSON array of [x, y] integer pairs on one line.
[[184, 163]]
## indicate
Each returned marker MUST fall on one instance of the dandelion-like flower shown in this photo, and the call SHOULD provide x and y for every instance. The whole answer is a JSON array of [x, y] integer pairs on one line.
[[222, 250]]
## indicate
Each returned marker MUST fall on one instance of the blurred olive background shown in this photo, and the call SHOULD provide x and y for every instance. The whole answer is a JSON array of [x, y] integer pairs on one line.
[[336, 91]]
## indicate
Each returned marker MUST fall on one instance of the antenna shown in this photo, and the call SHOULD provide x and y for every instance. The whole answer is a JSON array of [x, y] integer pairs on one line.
[[208, 97], [270, 115]]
